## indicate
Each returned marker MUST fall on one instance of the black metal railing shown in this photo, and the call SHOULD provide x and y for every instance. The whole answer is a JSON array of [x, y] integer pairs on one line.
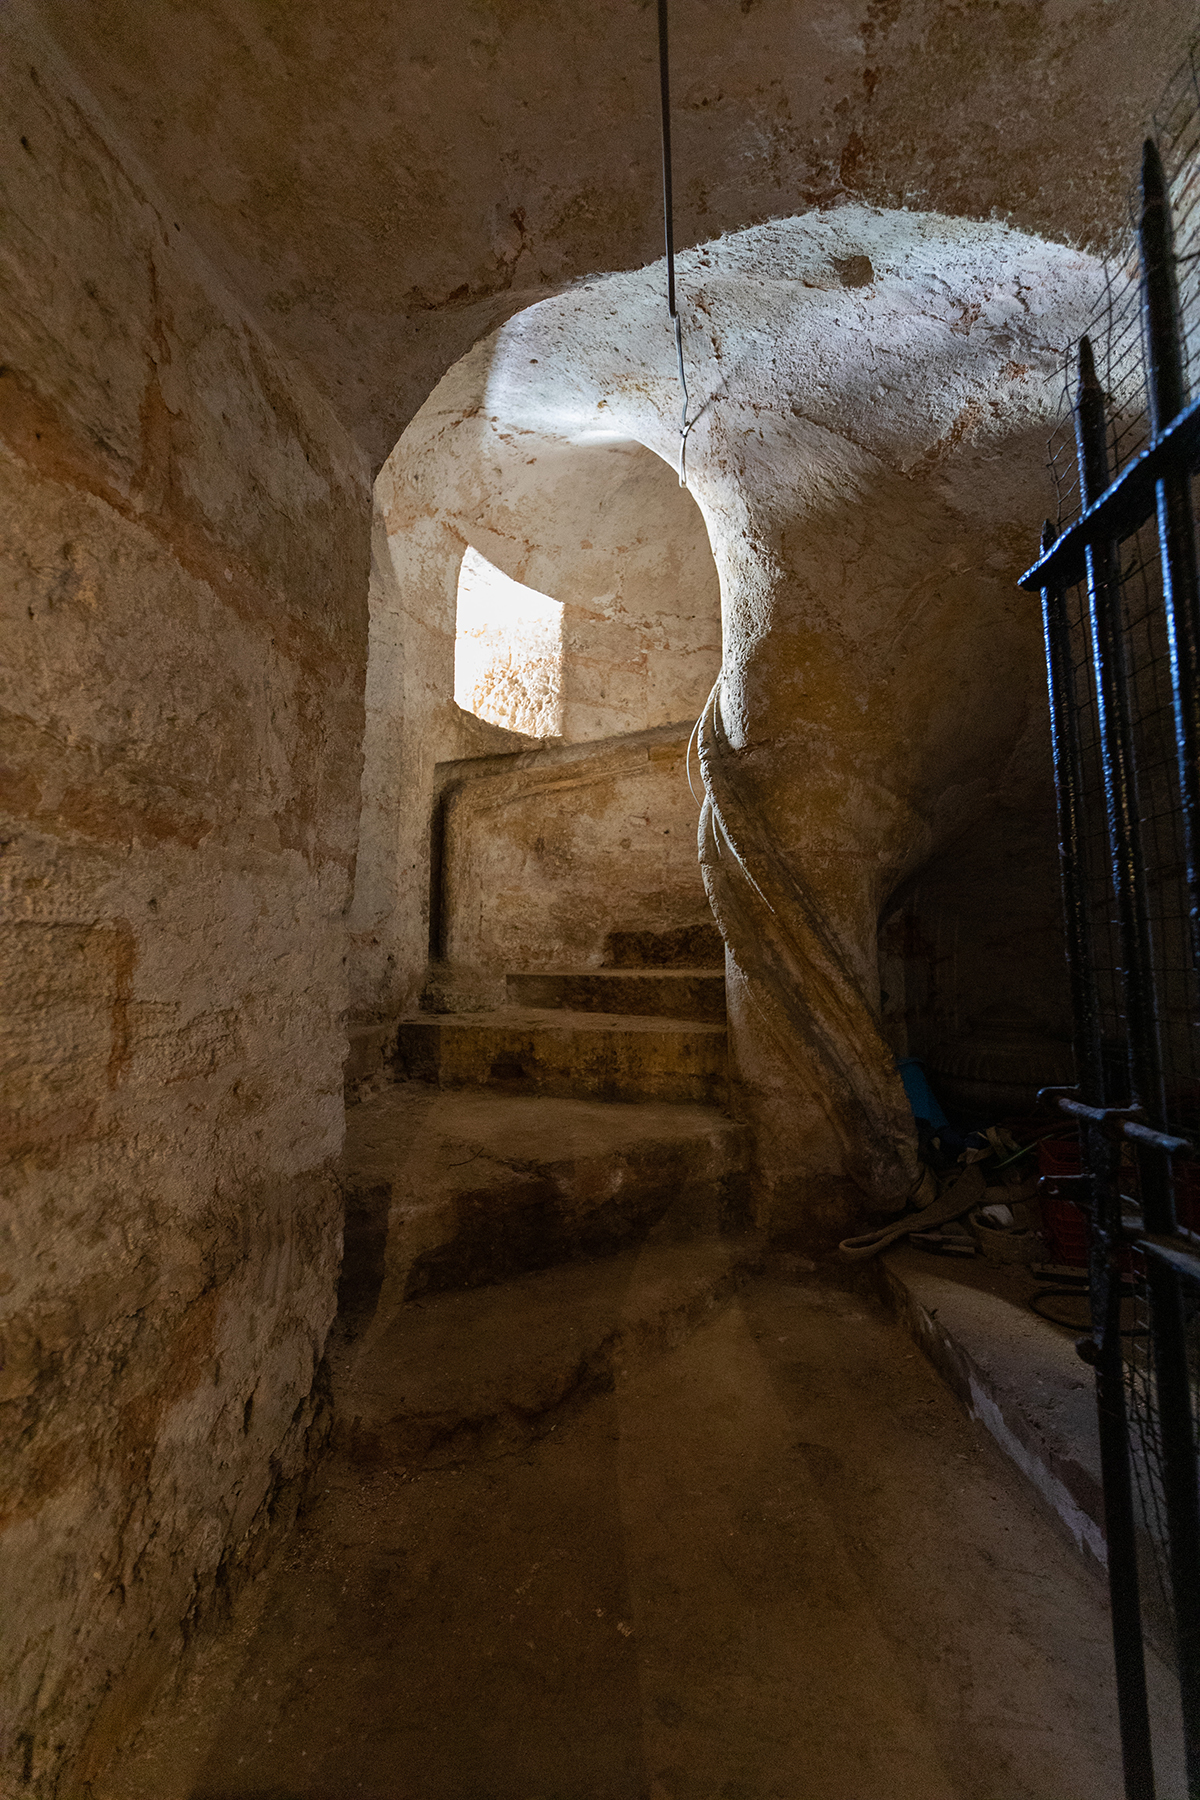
[[1121, 615]]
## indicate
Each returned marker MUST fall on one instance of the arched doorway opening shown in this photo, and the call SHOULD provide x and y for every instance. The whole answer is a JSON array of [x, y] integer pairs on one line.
[[530, 593]]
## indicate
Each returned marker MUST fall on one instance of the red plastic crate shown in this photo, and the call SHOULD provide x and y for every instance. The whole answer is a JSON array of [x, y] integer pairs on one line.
[[1064, 1225], [1059, 1155]]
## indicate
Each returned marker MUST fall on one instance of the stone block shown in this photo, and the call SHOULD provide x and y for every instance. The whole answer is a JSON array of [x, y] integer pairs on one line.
[[603, 1056]]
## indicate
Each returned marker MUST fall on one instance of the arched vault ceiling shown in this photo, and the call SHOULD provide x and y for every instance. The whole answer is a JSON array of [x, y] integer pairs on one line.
[[383, 182]]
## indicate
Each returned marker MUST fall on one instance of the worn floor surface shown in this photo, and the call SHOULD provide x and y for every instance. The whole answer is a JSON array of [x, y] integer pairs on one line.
[[777, 1563]]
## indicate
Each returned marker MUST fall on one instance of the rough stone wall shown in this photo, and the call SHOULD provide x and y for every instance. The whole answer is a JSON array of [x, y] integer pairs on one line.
[[972, 947], [872, 392], [184, 529], [387, 183], [636, 603], [508, 651], [608, 531], [546, 855]]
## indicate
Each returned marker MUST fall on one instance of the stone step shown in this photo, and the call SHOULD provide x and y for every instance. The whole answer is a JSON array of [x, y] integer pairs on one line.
[[652, 993], [483, 1373], [459, 1188], [684, 947], [601, 1056]]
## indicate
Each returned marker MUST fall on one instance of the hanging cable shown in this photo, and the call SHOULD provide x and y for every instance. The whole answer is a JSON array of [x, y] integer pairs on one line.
[[664, 83]]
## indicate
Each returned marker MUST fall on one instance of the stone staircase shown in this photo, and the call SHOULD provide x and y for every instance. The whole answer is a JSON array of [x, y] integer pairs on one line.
[[609, 1035], [547, 1187]]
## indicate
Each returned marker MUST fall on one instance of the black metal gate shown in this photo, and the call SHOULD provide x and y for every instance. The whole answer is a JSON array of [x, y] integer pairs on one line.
[[1121, 608]]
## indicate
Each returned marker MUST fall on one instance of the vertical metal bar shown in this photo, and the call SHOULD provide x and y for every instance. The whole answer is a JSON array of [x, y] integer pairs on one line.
[[1068, 792], [664, 89], [1124, 1595], [1120, 1528], [1167, 393], [1160, 297], [1117, 758], [664, 94], [1168, 1337]]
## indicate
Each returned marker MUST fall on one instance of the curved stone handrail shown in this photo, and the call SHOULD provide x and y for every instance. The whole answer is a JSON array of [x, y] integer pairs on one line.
[[797, 983]]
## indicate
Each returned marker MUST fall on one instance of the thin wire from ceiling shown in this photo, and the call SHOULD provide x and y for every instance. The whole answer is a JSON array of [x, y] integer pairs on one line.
[[664, 82]]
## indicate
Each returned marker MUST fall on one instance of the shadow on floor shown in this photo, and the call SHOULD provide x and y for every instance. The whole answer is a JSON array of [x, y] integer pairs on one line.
[[777, 1563]]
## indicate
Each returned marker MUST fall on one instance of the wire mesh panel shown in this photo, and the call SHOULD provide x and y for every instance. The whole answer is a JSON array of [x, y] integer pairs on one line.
[[1161, 829], [1121, 603], [1174, 973], [1116, 329]]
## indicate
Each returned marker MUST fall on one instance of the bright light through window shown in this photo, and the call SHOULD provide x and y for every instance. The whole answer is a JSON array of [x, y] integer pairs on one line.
[[508, 651]]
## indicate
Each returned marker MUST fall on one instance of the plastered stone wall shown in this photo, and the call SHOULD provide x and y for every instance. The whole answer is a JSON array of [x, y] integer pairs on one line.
[[872, 394], [545, 855], [183, 531]]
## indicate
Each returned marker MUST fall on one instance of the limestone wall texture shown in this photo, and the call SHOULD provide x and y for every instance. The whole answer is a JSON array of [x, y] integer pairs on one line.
[[386, 184], [183, 532], [388, 194], [606, 531], [872, 393], [545, 855]]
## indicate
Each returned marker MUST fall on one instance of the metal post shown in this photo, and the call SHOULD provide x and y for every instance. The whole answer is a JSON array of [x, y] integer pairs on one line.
[[1120, 1528], [1168, 1336], [1117, 759], [1105, 1349], [1068, 792], [664, 94], [1167, 395]]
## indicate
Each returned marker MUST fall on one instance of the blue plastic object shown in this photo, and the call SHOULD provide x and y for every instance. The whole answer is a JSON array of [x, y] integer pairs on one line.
[[920, 1094]]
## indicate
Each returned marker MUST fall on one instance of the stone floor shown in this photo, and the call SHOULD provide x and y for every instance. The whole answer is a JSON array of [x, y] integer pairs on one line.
[[774, 1562]]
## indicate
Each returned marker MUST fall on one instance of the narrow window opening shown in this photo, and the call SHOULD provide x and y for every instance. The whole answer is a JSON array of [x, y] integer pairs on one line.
[[508, 651]]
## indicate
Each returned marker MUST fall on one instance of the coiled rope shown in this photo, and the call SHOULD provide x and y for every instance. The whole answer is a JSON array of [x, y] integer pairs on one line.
[[664, 83]]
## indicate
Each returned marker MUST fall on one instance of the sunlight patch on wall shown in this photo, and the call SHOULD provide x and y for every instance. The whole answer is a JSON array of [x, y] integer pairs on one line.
[[508, 651]]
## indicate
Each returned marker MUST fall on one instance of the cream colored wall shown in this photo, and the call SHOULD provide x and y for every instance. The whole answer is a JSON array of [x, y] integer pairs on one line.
[[508, 651], [186, 534], [546, 855], [606, 531], [385, 184], [183, 530], [875, 390]]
